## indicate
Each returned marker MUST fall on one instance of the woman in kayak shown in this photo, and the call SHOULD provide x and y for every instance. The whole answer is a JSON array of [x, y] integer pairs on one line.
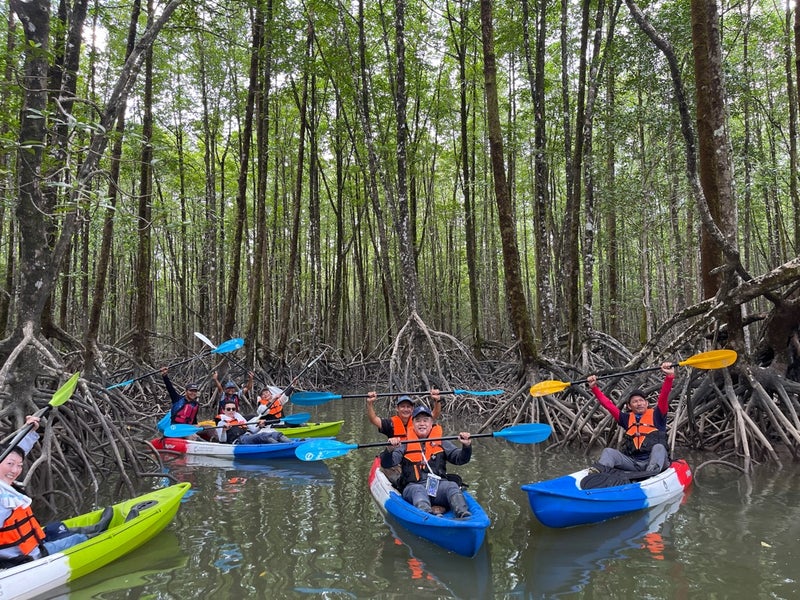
[[234, 429], [22, 538], [645, 441], [423, 480]]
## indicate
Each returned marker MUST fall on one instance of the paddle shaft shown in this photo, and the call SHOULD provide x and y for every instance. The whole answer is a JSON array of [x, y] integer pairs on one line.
[[25, 430], [294, 380], [610, 375], [439, 439]]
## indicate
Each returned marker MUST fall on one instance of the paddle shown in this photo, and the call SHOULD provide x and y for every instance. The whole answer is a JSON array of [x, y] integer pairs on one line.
[[315, 398], [322, 449], [244, 368], [714, 359], [60, 396], [296, 378], [179, 430], [223, 348]]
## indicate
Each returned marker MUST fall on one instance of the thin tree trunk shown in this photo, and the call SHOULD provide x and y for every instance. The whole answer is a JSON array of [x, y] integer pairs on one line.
[[297, 197], [143, 317], [517, 305]]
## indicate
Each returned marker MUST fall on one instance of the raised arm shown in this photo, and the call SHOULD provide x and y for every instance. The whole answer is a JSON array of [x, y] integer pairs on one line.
[[591, 381], [373, 418]]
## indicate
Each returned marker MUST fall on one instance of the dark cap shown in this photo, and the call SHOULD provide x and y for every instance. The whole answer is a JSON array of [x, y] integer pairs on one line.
[[421, 410], [192, 387], [403, 398], [637, 393]]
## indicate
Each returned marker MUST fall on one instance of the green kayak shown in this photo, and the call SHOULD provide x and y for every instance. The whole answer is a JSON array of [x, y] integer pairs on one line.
[[135, 522]]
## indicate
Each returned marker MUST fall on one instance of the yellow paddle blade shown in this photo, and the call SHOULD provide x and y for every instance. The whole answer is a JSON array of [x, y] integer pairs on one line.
[[547, 387], [713, 359]]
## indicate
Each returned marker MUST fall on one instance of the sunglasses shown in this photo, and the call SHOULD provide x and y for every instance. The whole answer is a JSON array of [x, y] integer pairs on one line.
[[229, 409]]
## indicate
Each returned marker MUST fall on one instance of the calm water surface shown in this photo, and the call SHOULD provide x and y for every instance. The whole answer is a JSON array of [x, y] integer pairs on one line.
[[288, 529]]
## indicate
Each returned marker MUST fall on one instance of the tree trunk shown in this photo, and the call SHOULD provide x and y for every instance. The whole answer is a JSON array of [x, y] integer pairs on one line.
[[517, 305], [716, 177], [144, 292]]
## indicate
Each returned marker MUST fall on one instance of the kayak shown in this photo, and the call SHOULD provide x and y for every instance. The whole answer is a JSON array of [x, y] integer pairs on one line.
[[462, 536], [311, 430], [561, 502], [135, 522], [230, 451], [306, 430]]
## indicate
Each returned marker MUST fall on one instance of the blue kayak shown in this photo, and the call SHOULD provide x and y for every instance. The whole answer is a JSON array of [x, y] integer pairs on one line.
[[561, 502], [462, 536]]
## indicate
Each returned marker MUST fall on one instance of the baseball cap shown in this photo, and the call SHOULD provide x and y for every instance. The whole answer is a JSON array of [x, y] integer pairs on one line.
[[192, 387], [421, 410], [403, 398], [230, 384]]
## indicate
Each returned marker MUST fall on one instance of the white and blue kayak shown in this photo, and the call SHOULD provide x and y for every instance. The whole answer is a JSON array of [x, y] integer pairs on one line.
[[230, 451], [561, 502]]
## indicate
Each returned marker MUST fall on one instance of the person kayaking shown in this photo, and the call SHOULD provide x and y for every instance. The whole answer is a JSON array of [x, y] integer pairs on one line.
[[184, 407], [645, 440], [397, 425], [22, 538], [235, 429], [231, 392], [423, 480], [270, 403]]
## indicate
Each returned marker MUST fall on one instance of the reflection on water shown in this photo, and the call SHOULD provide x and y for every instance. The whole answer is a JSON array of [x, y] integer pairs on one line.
[[288, 529], [149, 565], [563, 561]]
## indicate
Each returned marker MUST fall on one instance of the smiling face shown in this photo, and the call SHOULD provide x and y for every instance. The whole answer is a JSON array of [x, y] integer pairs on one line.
[[11, 467], [423, 425], [637, 404], [404, 410]]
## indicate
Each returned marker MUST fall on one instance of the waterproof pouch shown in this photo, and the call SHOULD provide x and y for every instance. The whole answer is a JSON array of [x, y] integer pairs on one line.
[[432, 484]]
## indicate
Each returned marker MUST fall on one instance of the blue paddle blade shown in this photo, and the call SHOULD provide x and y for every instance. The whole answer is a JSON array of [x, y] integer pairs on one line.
[[297, 418], [322, 449], [525, 433], [229, 346], [179, 430], [312, 398], [165, 422]]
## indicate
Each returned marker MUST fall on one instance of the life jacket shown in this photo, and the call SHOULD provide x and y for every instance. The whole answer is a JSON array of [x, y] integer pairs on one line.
[[22, 530], [399, 427], [413, 466], [186, 412], [274, 410], [642, 435], [236, 430]]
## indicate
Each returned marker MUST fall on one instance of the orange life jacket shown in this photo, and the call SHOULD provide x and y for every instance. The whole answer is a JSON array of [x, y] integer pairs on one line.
[[21, 529], [418, 452], [641, 436], [275, 409], [399, 427]]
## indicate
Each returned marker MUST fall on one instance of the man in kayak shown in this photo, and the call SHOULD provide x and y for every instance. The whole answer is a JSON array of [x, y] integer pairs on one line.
[[423, 480], [645, 441], [231, 392], [235, 429], [398, 425], [22, 538], [184, 407]]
